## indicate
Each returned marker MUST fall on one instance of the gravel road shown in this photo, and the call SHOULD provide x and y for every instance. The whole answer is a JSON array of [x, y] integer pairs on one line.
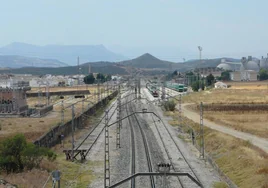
[[257, 141]]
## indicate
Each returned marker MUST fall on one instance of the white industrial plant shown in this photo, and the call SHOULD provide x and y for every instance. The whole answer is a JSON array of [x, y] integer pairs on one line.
[[245, 70]]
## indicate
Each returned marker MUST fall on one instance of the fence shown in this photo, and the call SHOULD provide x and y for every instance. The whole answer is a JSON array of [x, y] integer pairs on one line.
[[53, 137]]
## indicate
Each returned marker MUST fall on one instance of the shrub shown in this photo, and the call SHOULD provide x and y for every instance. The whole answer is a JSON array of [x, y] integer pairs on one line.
[[16, 154], [169, 105]]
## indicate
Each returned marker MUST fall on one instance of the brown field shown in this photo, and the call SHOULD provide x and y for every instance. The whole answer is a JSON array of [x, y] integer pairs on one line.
[[228, 96], [33, 128], [73, 174], [253, 122], [249, 85], [245, 164]]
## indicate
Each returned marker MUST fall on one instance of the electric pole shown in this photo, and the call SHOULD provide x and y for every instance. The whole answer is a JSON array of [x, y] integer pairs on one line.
[[62, 113], [202, 144], [72, 132], [180, 117], [106, 154], [200, 58]]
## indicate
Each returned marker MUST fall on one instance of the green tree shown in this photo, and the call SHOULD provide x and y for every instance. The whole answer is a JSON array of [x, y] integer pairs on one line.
[[210, 79], [198, 85], [100, 77], [263, 74], [225, 76], [16, 154], [89, 79], [108, 77], [11, 153]]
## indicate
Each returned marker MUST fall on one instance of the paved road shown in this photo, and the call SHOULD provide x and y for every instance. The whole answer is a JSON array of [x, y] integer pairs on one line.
[[257, 141]]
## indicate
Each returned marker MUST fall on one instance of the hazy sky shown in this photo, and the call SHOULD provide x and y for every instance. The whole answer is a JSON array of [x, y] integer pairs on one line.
[[170, 29]]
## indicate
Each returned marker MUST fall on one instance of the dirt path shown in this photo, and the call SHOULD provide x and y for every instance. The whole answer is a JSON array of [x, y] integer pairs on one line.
[[257, 141]]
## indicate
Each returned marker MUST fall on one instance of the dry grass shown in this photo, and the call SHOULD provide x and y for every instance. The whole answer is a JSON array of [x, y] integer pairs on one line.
[[30, 179], [245, 164], [246, 121], [228, 96], [33, 128], [73, 174], [249, 85], [253, 122]]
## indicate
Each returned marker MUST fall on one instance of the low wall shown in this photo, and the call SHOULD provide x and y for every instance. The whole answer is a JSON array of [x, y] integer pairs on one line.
[[53, 137], [45, 110], [59, 93]]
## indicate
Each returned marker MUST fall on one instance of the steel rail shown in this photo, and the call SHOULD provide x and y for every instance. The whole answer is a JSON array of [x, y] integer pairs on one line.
[[147, 152]]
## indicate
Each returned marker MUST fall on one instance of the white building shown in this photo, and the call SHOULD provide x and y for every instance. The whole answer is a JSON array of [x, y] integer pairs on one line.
[[220, 85]]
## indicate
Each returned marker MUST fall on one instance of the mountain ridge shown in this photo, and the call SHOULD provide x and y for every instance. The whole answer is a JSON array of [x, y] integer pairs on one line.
[[15, 61], [64, 53], [146, 62]]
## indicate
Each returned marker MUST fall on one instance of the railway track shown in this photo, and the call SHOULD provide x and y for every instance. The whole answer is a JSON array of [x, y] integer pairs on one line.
[[184, 165], [91, 138], [133, 153], [145, 144]]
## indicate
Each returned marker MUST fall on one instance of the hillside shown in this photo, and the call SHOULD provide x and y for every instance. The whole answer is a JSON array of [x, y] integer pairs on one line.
[[102, 67], [147, 61], [12, 61], [64, 53]]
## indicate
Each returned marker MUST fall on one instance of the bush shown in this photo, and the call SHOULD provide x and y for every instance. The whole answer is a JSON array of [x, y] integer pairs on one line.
[[169, 105], [16, 154]]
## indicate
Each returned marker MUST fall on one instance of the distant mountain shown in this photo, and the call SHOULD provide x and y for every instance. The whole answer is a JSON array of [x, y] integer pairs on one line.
[[64, 53], [12, 61], [147, 61]]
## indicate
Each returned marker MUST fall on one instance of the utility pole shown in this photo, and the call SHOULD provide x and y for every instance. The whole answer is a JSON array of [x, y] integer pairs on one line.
[[62, 113], [180, 117], [39, 96], [139, 86], [83, 106], [163, 91], [98, 91], [119, 124], [107, 88], [106, 154], [200, 58], [78, 72], [73, 132], [202, 147], [47, 93]]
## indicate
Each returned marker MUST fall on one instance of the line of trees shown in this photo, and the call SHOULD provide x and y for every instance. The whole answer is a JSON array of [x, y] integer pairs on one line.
[[197, 82], [90, 79], [16, 154]]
